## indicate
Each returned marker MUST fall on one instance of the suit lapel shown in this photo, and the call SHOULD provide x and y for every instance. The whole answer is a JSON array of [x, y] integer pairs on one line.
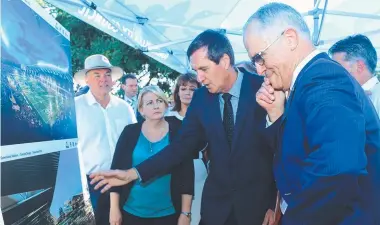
[[215, 117], [246, 100]]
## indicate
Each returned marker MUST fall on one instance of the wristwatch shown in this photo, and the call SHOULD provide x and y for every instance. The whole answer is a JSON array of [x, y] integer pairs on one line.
[[187, 214]]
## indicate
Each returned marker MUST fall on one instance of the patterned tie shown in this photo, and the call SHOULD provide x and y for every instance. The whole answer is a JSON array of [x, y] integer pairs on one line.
[[228, 117]]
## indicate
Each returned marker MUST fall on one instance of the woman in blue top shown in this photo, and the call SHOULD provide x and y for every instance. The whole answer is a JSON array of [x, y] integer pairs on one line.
[[166, 199]]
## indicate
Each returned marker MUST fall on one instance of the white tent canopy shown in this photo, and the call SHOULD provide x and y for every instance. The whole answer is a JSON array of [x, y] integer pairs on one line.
[[163, 29]]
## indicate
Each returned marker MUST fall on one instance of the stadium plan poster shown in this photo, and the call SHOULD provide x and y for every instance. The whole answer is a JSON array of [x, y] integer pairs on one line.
[[41, 180]]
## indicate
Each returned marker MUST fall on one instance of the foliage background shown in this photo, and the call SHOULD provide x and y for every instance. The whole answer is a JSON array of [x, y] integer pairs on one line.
[[86, 40]]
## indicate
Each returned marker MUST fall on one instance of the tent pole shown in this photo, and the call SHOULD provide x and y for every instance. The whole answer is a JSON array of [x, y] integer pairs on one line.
[[316, 4], [322, 21], [316, 23], [333, 40], [352, 14]]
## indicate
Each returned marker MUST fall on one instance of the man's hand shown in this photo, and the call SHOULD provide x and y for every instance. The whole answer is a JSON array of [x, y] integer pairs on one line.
[[269, 218], [113, 178], [271, 100]]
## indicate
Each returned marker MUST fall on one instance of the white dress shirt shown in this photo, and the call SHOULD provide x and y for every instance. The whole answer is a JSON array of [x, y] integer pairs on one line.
[[296, 72], [373, 85], [99, 129]]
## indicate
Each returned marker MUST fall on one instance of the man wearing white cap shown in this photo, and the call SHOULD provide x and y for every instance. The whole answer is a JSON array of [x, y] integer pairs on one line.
[[101, 117]]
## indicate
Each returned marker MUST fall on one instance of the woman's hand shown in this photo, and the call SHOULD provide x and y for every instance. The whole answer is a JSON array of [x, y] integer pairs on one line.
[[183, 220], [113, 178], [115, 216]]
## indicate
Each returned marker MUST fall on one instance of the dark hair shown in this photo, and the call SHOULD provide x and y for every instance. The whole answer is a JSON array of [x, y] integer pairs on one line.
[[357, 46], [217, 45], [181, 81], [124, 78]]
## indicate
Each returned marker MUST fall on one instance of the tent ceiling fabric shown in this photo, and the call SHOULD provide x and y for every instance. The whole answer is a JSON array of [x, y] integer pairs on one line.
[[163, 29]]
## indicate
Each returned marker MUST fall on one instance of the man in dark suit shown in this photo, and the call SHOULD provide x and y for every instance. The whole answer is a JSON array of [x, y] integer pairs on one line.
[[129, 84], [240, 189], [327, 138]]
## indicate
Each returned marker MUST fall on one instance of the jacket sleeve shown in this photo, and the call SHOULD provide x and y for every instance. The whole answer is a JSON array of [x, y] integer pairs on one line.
[[119, 161], [187, 177], [271, 134], [180, 149]]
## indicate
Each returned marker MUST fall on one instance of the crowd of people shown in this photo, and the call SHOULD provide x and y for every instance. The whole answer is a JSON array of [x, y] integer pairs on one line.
[[291, 138]]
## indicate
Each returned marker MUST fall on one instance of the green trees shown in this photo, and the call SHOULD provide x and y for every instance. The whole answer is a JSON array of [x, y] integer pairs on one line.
[[87, 40]]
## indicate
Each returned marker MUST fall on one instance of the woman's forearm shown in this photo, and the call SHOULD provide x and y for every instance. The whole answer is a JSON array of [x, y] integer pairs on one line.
[[114, 200], [186, 202]]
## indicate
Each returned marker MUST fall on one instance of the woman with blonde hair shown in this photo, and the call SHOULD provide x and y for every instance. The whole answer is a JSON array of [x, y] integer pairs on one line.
[[167, 199]]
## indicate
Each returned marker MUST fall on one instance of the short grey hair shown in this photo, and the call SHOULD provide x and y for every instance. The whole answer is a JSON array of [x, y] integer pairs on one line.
[[279, 16]]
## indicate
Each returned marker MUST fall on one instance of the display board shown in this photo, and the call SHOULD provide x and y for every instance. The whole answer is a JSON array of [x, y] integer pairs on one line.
[[41, 179]]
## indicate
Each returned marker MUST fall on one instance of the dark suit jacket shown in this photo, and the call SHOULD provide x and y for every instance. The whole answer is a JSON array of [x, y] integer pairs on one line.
[[240, 178], [327, 164], [182, 175]]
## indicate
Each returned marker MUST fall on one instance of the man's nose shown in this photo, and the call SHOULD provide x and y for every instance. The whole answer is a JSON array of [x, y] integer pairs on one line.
[[102, 79], [260, 69], [200, 76]]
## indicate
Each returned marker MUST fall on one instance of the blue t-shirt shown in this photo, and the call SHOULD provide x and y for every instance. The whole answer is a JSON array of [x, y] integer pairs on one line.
[[152, 199]]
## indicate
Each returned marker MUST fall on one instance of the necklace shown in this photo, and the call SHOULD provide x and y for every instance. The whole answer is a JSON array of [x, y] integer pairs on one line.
[[161, 134], [150, 146]]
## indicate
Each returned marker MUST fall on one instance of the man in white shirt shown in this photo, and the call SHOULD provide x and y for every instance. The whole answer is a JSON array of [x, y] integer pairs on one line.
[[101, 117], [358, 56]]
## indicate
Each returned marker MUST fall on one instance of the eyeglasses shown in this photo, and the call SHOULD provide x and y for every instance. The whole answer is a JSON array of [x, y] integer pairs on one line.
[[258, 59]]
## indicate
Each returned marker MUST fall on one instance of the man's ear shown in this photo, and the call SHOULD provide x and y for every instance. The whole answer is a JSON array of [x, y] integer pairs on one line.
[[292, 38], [360, 66], [225, 61]]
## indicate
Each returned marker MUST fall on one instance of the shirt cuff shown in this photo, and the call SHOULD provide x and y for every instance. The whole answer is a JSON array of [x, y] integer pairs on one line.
[[268, 122], [138, 174]]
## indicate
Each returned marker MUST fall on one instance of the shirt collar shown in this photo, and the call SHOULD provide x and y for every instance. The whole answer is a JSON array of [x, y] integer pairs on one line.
[[126, 98], [235, 89], [92, 101], [370, 83], [302, 64]]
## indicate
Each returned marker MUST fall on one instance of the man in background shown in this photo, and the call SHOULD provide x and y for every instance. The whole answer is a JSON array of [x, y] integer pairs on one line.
[[101, 117], [129, 84], [358, 56]]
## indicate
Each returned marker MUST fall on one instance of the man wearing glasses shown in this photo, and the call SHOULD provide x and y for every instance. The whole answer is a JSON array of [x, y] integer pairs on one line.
[[327, 138]]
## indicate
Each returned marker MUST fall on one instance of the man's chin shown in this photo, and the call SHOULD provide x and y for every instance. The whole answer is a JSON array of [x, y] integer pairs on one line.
[[212, 91]]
